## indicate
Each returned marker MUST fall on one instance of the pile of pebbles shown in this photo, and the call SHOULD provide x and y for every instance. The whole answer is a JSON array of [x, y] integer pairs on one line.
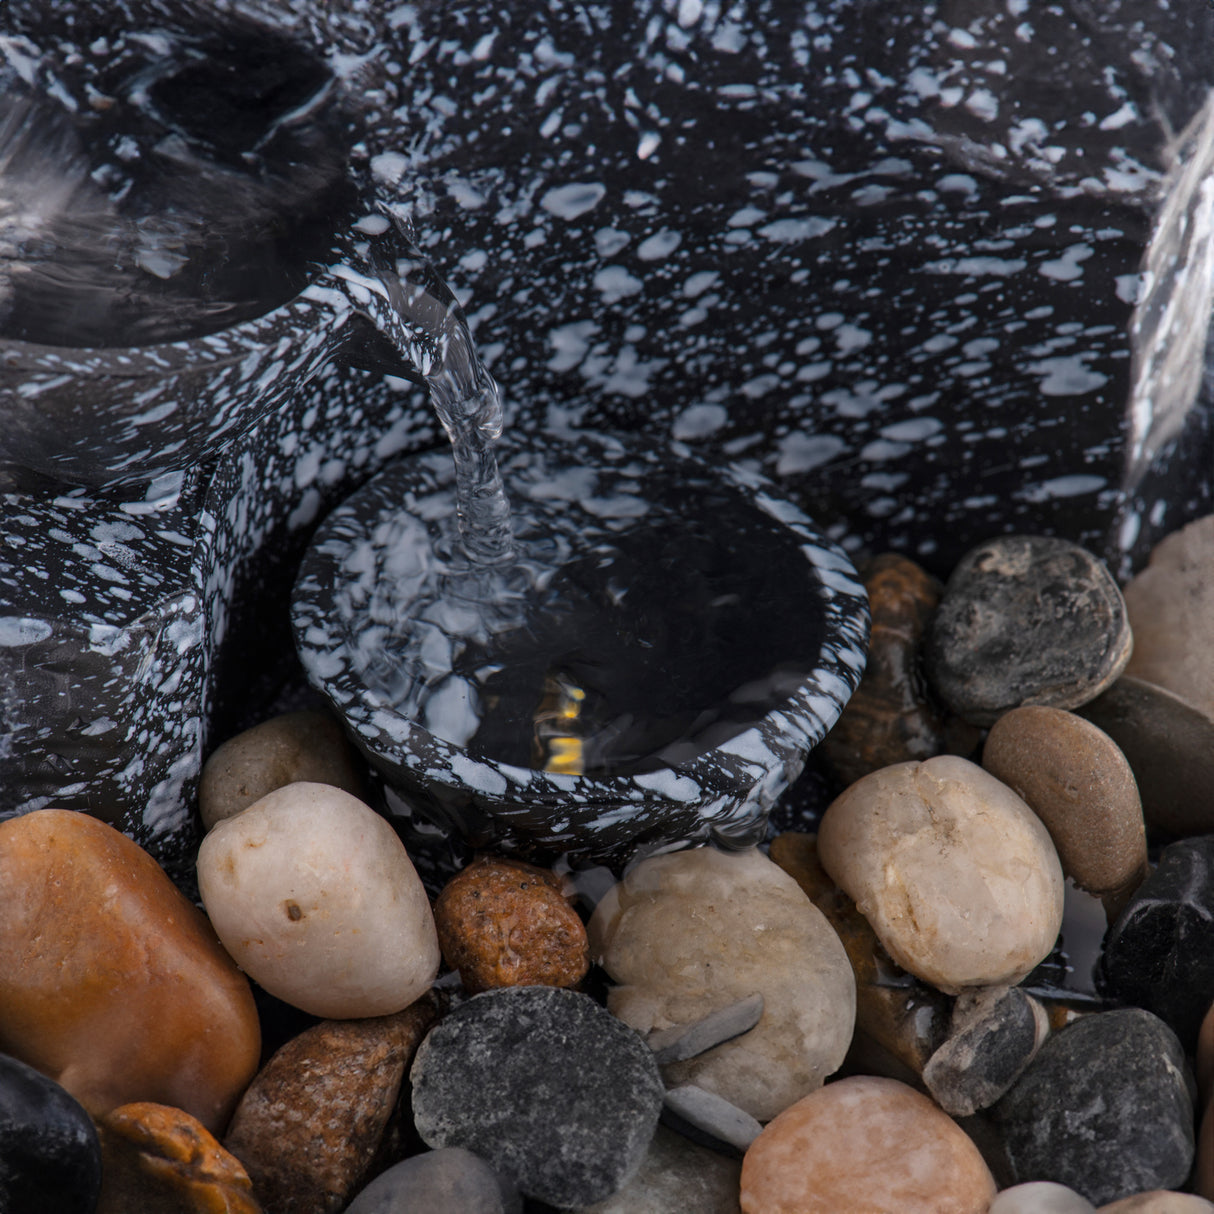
[[877, 1016]]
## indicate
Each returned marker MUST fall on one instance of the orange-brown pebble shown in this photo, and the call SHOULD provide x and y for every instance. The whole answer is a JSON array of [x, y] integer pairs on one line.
[[505, 923], [865, 1143], [162, 1159], [111, 982]]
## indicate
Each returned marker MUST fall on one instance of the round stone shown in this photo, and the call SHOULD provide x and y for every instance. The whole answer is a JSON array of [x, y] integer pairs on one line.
[[1076, 780], [1160, 1201], [1026, 620], [545, 1085], [958, 877], [505, 923], [689, 933], [297, 747], [1041, 1197], [449, 1179], [1170, 605], [865, 1143], [314, 895]]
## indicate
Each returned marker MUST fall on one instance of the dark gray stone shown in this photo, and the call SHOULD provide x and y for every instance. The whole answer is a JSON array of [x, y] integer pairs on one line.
[[1026, 620], [1106, 1107], [545, 1085], [450, 1179]]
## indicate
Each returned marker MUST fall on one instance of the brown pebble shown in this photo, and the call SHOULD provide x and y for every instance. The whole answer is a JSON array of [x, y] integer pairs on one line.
[[1204, 1065], [505, 923], [309, 1125], [295, 747], [1159, 1201], [1075, 779], [157, 1158], [865, 1143]]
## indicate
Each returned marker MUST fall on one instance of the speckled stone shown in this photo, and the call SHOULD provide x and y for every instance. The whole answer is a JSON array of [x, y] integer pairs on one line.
[[308, 1127], [1026, 620], [297, 746], [1106, 1107], [50, 1158], [1170, 604], [1160, 1201], [958, 877], [865, 1143], [315, 896], [1075, 779], [1041, 1197], [545, 1085], [110, 981], [159, 1158], [505, 923], [688, 933], [449, 1179]]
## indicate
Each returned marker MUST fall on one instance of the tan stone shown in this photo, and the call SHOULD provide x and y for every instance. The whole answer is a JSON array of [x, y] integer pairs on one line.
[[156, 1158], [958, 877], [1075, 779], [293, 748], [1159, 1201], [865, 1143], [314, 895], [505, 923], [1041, 1197], [311, 1122], [111, 982], [689, 933]]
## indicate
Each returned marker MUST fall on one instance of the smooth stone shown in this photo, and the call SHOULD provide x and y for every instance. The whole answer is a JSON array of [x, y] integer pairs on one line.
[[1203, 1169], [958, 877], [296, 747], [676, 1177], [691, 932], [1041, 1197], [545, 1085], [1160, 1201], [1026, 620], [1169, 744], [449, 1179], [314, 895], [1171, 604], [1159, 955], [680, 1042], [996, 1033], [865, 1143], [159, 1158], [50, 1157], [710, 1115], [111, 982], [311, 1122], [505, 923], [1106, 1107], [1203, 1066], [1075, 779]]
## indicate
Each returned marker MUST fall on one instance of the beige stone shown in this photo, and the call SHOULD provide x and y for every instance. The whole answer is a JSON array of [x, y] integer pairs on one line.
[[1041, 1197], [958, 877], [1159, 1201], [314, 895], [689, 933], [865, 1144]]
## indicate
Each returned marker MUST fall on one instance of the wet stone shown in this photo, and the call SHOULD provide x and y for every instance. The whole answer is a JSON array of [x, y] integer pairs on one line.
[[1076, 780], [159, 1158], [1160, 953], [1026, 620], [50, 1158], [545, 1085], [449, 1179], [865, 1143], [693, 932], [310, 1124], [958, 877], [297, 746], [505, 923], [110, 981], [1106, 1107], [1041, 1197]]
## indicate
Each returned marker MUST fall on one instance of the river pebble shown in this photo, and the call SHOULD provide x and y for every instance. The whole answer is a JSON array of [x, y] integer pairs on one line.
[[1160, 1201], [1106, 1107], [1076, 780], [505, 923], [314, 895], [546, 1086], [691, 932], [865, 1143], [958, 877], [1041, 1197], [450, 1179], [110, 981], [1026, 620]]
